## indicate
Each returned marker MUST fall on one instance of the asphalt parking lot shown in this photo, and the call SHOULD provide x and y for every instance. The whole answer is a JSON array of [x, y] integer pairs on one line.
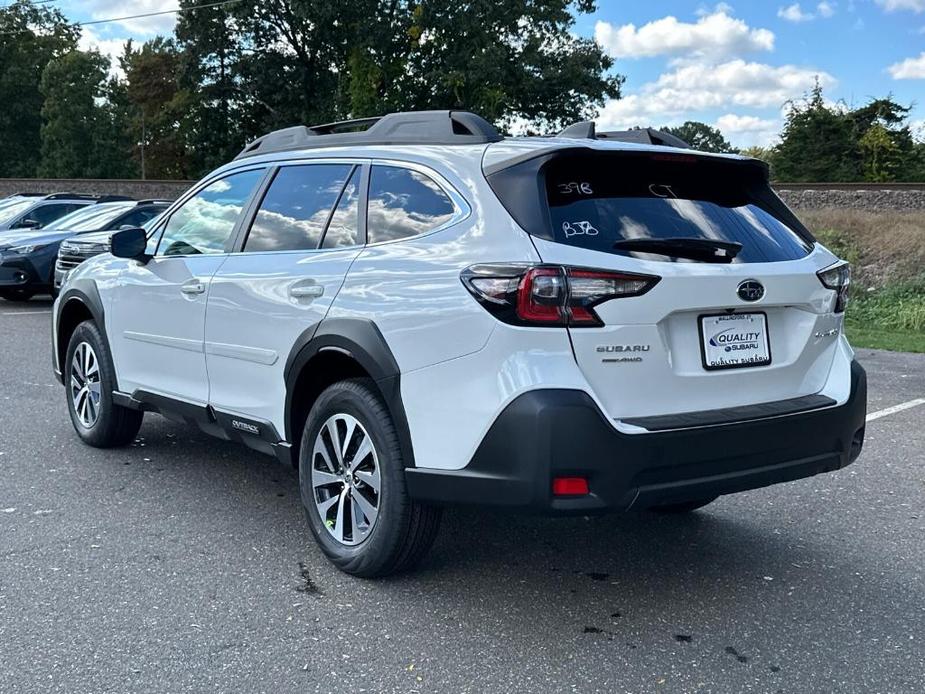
[[183, 564]]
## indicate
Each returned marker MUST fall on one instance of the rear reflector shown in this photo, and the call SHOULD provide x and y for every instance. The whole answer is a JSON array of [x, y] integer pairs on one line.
[[569, 486], [550, 295]]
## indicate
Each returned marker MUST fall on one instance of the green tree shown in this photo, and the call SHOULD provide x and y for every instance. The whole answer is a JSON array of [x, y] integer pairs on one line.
[[77, 134], [886, 140], [819, 143], [156, 107], [882, 158], [514, 60], [255, 65], [701, 136], [219, 116], [32, 36]]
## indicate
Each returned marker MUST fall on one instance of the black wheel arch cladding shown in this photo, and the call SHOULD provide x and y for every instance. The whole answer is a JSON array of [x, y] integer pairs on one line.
[[362, 341], [85, 293]]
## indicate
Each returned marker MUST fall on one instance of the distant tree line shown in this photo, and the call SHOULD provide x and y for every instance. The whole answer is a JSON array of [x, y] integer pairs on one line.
[[231, 73], [823, 142], [183, 104]]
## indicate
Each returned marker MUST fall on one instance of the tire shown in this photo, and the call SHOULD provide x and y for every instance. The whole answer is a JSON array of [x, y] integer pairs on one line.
[[16, 294], [97, 420], [685, 507], [401, 531]]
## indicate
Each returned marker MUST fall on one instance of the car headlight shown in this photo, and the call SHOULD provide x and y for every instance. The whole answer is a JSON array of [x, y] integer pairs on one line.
[[27, 248]]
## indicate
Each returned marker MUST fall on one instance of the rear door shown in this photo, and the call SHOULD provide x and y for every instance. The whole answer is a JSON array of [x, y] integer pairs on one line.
[[739, 316], [296, 249]]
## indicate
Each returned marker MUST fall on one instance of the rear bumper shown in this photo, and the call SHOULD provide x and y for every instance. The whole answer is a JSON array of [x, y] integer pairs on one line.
[[544, 434]]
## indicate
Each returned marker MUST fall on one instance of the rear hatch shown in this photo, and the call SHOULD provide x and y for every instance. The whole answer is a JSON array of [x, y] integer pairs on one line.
[[738, 317]]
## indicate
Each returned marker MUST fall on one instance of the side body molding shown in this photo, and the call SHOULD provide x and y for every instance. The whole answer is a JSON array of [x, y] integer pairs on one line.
[[361, 340]]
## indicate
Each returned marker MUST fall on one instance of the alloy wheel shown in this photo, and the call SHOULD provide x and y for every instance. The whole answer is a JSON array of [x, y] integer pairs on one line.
[[346, 480], [86, 387]]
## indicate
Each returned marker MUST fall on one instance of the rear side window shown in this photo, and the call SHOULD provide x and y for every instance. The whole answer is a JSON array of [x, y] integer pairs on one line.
[[404, 203], [296, 207], [597, 202]]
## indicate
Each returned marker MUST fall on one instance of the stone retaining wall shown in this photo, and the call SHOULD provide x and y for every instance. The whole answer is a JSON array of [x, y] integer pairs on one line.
[[872, 200], [793, 195], [94, 186]]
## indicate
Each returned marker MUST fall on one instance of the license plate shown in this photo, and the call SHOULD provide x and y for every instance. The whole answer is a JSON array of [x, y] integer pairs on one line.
[[734, 340]]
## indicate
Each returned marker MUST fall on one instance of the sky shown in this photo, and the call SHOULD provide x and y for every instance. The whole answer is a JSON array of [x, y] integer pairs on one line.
[[733, 65]]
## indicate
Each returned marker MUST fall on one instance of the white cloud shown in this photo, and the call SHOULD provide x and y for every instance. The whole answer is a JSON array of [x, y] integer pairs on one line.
[[825, 9], [112, 48], [746, 131], [794, 13], [734, 123], [145, 26], [918, 129], [694, 87], [716, 34], [909, 69], [897, 5]]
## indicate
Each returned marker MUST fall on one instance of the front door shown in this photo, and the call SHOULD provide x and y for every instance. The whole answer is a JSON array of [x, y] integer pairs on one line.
[[159, 307]]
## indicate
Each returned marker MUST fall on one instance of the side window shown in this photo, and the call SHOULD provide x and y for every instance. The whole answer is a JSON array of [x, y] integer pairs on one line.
[[203, 224], [135, 218], [296, 207], [46, 214], [342, 229], [404, 203]]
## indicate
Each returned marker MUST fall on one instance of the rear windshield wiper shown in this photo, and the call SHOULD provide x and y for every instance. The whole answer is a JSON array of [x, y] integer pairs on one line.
[[706, 250]]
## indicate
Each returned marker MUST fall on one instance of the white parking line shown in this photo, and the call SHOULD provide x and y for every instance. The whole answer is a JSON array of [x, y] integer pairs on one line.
[[896, 408], [22, 313]]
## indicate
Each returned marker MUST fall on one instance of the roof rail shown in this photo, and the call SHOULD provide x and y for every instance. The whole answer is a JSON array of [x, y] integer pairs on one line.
[[154, 201], [585, 130], [408, 128], [112, 198], [87, 196]]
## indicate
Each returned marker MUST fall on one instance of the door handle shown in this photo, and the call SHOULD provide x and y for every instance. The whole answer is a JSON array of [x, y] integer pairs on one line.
[[311, 291], [193, 286]]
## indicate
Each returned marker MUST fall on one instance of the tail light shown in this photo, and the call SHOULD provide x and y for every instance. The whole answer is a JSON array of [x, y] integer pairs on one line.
[[837, 277], [550, 295]]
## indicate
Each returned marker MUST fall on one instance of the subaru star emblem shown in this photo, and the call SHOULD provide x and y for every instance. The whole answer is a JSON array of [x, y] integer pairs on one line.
[[750, 290]]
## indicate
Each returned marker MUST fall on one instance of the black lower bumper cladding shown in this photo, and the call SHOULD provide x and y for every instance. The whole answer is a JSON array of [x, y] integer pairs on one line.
[[545, 434], [16, 273]]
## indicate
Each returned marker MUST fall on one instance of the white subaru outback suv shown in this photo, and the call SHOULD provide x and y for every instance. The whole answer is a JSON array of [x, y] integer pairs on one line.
[[424, 313]]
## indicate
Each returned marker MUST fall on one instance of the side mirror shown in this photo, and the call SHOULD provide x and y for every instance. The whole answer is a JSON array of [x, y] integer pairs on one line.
[[29, 224], [130, 243]]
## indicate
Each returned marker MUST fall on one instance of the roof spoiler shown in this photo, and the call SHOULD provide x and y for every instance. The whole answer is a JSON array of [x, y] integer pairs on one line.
[[408, 128], [586, 130]]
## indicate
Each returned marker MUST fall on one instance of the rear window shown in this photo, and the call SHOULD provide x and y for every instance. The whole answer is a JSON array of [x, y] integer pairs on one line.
[[596, 202]]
